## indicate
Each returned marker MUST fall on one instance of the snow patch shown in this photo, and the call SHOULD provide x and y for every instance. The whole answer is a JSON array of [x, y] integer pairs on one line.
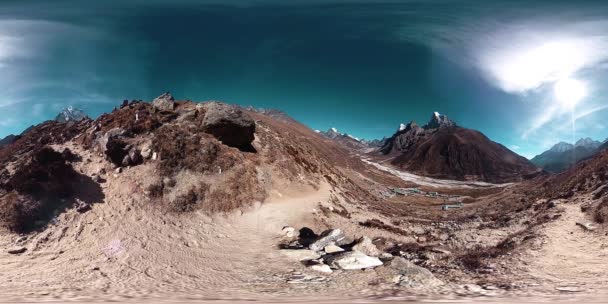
[[402, 127]]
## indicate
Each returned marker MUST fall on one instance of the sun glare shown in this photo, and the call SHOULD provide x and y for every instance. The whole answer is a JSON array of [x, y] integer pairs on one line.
[[568, 92]]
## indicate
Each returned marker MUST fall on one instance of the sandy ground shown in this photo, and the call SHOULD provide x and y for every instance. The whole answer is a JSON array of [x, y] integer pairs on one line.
[[571, 257], [121, 250]]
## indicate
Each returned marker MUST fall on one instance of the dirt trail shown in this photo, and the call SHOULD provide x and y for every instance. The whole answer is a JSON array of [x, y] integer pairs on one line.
[[119, 251], [571, 256]]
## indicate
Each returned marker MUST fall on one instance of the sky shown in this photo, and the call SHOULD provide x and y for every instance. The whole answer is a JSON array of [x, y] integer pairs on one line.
[[363, 67]]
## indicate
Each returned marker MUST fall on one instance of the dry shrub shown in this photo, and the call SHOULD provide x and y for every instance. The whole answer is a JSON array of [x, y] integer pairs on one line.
[[476, 258], [600, 214], [181, 149], [36, 190], [238, 188], [17, 213], [376, 223]]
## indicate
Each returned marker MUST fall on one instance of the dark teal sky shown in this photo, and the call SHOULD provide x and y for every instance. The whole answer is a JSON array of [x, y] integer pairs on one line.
[[362, 68]]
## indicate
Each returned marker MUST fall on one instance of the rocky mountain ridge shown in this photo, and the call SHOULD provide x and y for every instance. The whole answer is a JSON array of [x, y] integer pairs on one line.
[[563, 155]]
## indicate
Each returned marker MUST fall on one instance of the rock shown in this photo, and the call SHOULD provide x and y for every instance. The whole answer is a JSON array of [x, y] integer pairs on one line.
[[164, 102], [326, 238], [229, 124], [135, 156], [321, 268], [551, 204], [112, 146], [413, 276], [365, 245], [332, 249], [118, 170], [17, 250], [351, 260], [146, 153], [586, 226], [306, 236], [569, 289], [300, 254], [288, 231], [346, 241], [385, 256]]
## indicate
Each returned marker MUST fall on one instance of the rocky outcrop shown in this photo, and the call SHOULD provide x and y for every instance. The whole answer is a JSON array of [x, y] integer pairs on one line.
[[229, 124], [164, 102], [117, 150]]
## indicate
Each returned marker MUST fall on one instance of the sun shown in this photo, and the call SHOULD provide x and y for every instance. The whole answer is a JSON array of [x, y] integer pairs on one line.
[[568, 92]]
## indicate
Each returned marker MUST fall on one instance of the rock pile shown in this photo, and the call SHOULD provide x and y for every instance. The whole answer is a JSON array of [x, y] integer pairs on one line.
[[332, 250]]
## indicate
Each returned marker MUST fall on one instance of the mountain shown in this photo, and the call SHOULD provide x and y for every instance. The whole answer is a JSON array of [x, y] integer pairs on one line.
[[442, 149], [346, 140], [563, 155], [8, 140], [71, 114], [375, 143]]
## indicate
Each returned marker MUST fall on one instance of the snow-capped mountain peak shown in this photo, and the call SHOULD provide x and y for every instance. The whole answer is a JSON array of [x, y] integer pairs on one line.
[[439, 121], [71, 114], [402, 127]]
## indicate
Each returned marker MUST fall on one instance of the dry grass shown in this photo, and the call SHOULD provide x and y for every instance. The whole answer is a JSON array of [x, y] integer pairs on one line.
[[36, 190], [600, 214]]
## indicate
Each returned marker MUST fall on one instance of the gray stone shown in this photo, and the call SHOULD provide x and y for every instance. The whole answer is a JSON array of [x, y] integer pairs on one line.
[[229, 124], [326, 238], [300, 254], [164, 102], [413, 276], [332, 249], [352, 260], [365, 245]]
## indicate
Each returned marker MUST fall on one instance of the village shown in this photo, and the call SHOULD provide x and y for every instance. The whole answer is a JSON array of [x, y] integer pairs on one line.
[[450, 201]]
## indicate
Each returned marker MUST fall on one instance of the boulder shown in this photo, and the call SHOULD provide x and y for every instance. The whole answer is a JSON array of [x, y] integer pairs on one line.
[[300, 254], [112, 146], [229, 124], [164, 102], [365, 245], [352, 260], [411, 275], [326, 238]]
